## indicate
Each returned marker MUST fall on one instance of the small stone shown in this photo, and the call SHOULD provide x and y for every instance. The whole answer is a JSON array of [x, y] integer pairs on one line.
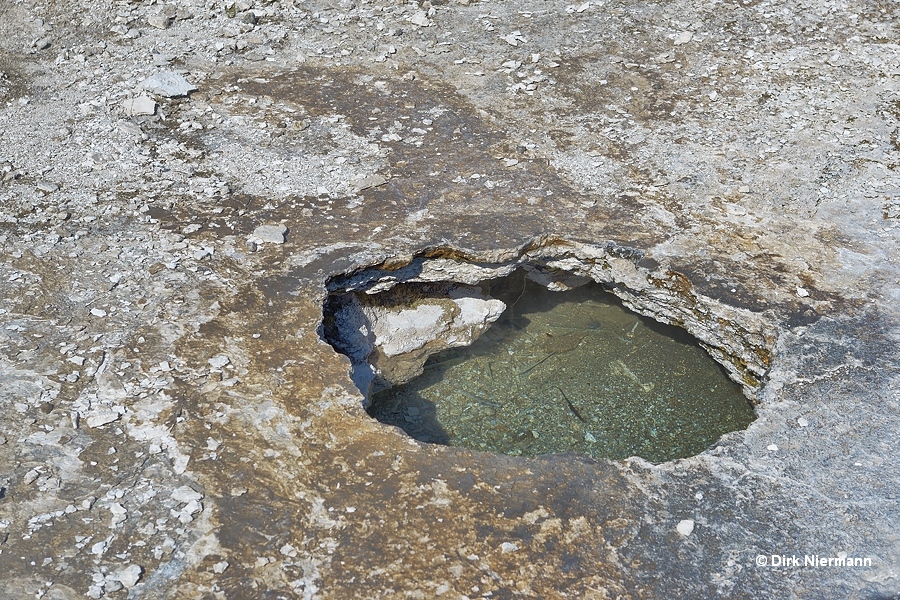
[[160, 20], [513, 38], [802, 422], [273, 234], [42, 44], [685, 527], [288, 550], [507, 547], [186, 515], [142, 105], [683, 37], [31, 476], [119, 514], [168, 84], [102, 417], [249, 17], [589, 438], [772, 448], [186, 494], [219, 361], [48, 187], [220, 567], [369, 181], [802, 292], [744, 189], [98, 312], [99, 548], [421, 19], [130, 575]]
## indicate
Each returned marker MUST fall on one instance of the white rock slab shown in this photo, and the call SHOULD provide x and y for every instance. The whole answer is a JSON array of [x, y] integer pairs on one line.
[[141, 105], [168, 84], [272, 234], [685, 527]]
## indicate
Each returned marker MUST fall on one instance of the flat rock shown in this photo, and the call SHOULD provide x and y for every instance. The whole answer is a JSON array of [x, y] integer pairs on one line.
[[369, 181], [140, 105], [160, 20], [186, 494], [130, 575], [47, 186], [685, 527], [168, 84], [272, 234], [102, 417]]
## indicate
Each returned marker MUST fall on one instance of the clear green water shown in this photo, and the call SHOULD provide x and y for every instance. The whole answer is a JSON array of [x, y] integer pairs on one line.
[[570, 372]]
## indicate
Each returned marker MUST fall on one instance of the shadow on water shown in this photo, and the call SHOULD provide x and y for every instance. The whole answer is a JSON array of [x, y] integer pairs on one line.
[[570, 371], [412, 412]]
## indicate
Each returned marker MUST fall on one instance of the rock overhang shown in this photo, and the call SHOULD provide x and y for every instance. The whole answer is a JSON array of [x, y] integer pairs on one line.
[[742, 340]]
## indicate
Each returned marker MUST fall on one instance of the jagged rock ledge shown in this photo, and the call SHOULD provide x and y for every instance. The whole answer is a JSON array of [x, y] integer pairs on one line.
[[389, 340]]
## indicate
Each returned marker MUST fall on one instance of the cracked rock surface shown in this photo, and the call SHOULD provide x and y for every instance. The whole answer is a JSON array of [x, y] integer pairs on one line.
[[182, 185]]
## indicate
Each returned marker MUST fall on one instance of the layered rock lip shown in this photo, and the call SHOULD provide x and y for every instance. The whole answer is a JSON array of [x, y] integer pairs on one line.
[[742, 340]]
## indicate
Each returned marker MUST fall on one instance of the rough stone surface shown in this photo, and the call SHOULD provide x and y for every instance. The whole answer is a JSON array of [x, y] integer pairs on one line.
[[390, 339], [730, 167], [168, 84], [272, 234], [139, 106]]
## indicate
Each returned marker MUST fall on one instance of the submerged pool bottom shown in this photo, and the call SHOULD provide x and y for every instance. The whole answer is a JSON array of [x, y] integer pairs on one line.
[[570, 372]]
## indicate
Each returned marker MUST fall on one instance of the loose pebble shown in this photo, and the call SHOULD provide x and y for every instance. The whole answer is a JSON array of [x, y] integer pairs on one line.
[[219, 361], [685, 527], [421, 19], [168, 84], [272, 234], [130, 575], [141, 105], [47, 186], [186, 494], [683, 37], [102, 417], [507, 547], [369, 181]]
